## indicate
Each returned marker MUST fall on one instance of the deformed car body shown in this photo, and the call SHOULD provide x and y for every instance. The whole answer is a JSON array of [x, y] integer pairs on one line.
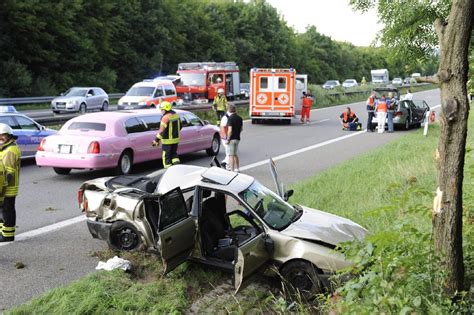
[[218, 218]]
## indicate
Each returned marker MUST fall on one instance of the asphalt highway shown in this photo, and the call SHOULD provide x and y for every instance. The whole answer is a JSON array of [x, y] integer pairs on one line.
[[52, 238]]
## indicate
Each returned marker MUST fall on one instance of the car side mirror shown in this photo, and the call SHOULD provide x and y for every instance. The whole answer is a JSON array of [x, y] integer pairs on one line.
[[206, 122], [42, 127], [288, 194], [88, 95]]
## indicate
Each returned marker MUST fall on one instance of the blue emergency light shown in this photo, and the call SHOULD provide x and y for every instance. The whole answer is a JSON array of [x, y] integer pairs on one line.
[[7, 109]]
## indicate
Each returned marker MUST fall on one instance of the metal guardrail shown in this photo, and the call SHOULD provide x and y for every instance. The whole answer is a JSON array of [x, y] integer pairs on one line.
[[62, 118], [41, 99]]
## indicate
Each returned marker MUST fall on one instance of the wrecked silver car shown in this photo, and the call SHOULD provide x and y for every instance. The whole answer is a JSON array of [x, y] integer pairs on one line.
[[219, 218]]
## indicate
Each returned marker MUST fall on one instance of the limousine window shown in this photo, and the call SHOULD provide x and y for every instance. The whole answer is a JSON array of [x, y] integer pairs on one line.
[[86, 126], [133, 125], [152, 122]]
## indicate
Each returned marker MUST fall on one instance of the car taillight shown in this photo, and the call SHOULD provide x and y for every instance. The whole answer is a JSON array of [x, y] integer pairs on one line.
[[94, 147], [41, 145], [83, 202], [398, 114]]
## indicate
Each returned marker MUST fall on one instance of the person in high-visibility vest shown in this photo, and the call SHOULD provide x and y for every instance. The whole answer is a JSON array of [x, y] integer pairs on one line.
[[220, 104], [349, 120], [10, 159], [168, 135], [306, 106], [391, 106], [381, 108], [370, 111]]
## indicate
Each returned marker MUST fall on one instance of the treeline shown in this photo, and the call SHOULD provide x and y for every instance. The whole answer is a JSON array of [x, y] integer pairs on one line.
[[48, 46]]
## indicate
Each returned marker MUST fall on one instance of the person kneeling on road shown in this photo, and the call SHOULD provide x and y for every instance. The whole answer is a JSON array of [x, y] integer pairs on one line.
[[350, 121]]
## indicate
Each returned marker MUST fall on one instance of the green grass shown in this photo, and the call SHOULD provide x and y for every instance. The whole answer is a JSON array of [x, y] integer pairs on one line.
[[383, 190]]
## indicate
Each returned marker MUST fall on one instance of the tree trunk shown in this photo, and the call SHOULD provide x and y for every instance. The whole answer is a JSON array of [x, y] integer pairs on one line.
[[454, 36]]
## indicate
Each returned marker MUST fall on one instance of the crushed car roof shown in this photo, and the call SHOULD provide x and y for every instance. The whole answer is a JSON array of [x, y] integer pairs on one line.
[[187, 176]]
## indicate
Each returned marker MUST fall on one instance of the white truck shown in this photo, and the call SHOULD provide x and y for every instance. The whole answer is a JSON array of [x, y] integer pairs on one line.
[[379, 76]]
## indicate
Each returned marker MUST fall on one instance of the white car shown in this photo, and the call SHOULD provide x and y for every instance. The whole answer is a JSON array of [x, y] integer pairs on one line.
[[397, 81], [331, 84], [349, 83], [218, 218]]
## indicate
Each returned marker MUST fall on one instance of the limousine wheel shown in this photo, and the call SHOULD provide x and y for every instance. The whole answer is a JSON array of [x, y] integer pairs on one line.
[[124, 165], [215, 146], [61, 170]]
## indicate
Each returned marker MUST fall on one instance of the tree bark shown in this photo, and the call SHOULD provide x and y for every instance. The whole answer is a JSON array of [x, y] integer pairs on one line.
[[454, 36]]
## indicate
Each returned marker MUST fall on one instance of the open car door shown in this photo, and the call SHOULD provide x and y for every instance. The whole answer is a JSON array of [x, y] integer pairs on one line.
[[280, 189], [176, 230]]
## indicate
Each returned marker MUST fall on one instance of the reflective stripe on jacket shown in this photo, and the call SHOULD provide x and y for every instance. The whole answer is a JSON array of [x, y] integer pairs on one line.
[[220, 102], [172, 126], [345, 117], [382, 106], [10, 158], [370, 104], [307, 101]]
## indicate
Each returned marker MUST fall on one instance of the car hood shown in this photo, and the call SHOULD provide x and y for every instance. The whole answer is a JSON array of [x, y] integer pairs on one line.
[[325, 227], [134, 99], [68, 98]]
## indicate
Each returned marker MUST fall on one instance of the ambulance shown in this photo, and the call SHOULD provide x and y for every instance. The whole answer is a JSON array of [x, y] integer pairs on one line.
[[276, 94]]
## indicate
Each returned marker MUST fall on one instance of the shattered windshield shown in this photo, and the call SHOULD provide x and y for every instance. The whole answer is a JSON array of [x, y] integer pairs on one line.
[[269, 206]]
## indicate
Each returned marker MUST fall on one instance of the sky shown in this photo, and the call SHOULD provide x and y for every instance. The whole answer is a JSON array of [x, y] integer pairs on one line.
[[333, 18]]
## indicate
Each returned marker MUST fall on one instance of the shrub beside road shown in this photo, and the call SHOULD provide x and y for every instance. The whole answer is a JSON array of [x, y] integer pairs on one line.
[[395, 269]]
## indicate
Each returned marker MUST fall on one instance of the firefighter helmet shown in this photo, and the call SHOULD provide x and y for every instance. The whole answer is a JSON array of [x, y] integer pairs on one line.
[[220, 91], [4, 128], [166, 106]]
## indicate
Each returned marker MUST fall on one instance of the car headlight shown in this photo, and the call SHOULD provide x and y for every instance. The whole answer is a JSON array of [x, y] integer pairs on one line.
[[120, 102], [71, 102]]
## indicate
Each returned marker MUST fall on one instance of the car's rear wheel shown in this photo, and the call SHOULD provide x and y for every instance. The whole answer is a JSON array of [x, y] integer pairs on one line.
[[61, 170], [301, 276], [215, 146], [125, 163], [124, 236], [82, 108], [105, 107], [152, 106]]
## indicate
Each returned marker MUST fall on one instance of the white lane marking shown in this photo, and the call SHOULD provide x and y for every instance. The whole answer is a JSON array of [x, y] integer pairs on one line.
[[46, 229], [318, 145], [59, 225]]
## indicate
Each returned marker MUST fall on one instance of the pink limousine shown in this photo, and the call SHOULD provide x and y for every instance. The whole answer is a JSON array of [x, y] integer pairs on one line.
[[120, 139]]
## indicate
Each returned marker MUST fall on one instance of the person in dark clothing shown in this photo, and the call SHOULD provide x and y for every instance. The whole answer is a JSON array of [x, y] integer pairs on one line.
[[235, 126]]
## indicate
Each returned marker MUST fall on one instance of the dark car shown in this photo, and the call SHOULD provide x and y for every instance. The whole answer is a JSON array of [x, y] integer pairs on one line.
[[408, 113]]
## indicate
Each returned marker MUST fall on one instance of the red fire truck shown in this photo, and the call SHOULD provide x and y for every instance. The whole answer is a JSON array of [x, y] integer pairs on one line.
[[199, 81]]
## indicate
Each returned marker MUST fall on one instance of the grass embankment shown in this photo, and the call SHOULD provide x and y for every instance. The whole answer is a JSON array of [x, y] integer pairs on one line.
[[388, 190]]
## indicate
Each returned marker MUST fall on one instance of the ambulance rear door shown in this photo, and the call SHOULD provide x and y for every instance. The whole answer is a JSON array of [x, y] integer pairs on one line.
[[301, 85], [272, 93]]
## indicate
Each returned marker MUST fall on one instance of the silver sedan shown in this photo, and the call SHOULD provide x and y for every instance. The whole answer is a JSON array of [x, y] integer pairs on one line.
[[81, 99]]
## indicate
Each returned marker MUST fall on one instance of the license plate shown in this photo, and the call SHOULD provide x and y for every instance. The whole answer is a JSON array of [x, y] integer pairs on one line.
[[61, 106], [65, 148], [129, 107]]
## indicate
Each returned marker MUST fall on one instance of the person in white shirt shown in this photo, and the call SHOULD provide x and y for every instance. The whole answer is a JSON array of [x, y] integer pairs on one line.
[[223, 133], [408, 96]]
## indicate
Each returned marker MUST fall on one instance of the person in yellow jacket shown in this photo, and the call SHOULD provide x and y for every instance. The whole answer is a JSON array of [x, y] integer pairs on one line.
[[168, 135], [10, 159], [220, 104]]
